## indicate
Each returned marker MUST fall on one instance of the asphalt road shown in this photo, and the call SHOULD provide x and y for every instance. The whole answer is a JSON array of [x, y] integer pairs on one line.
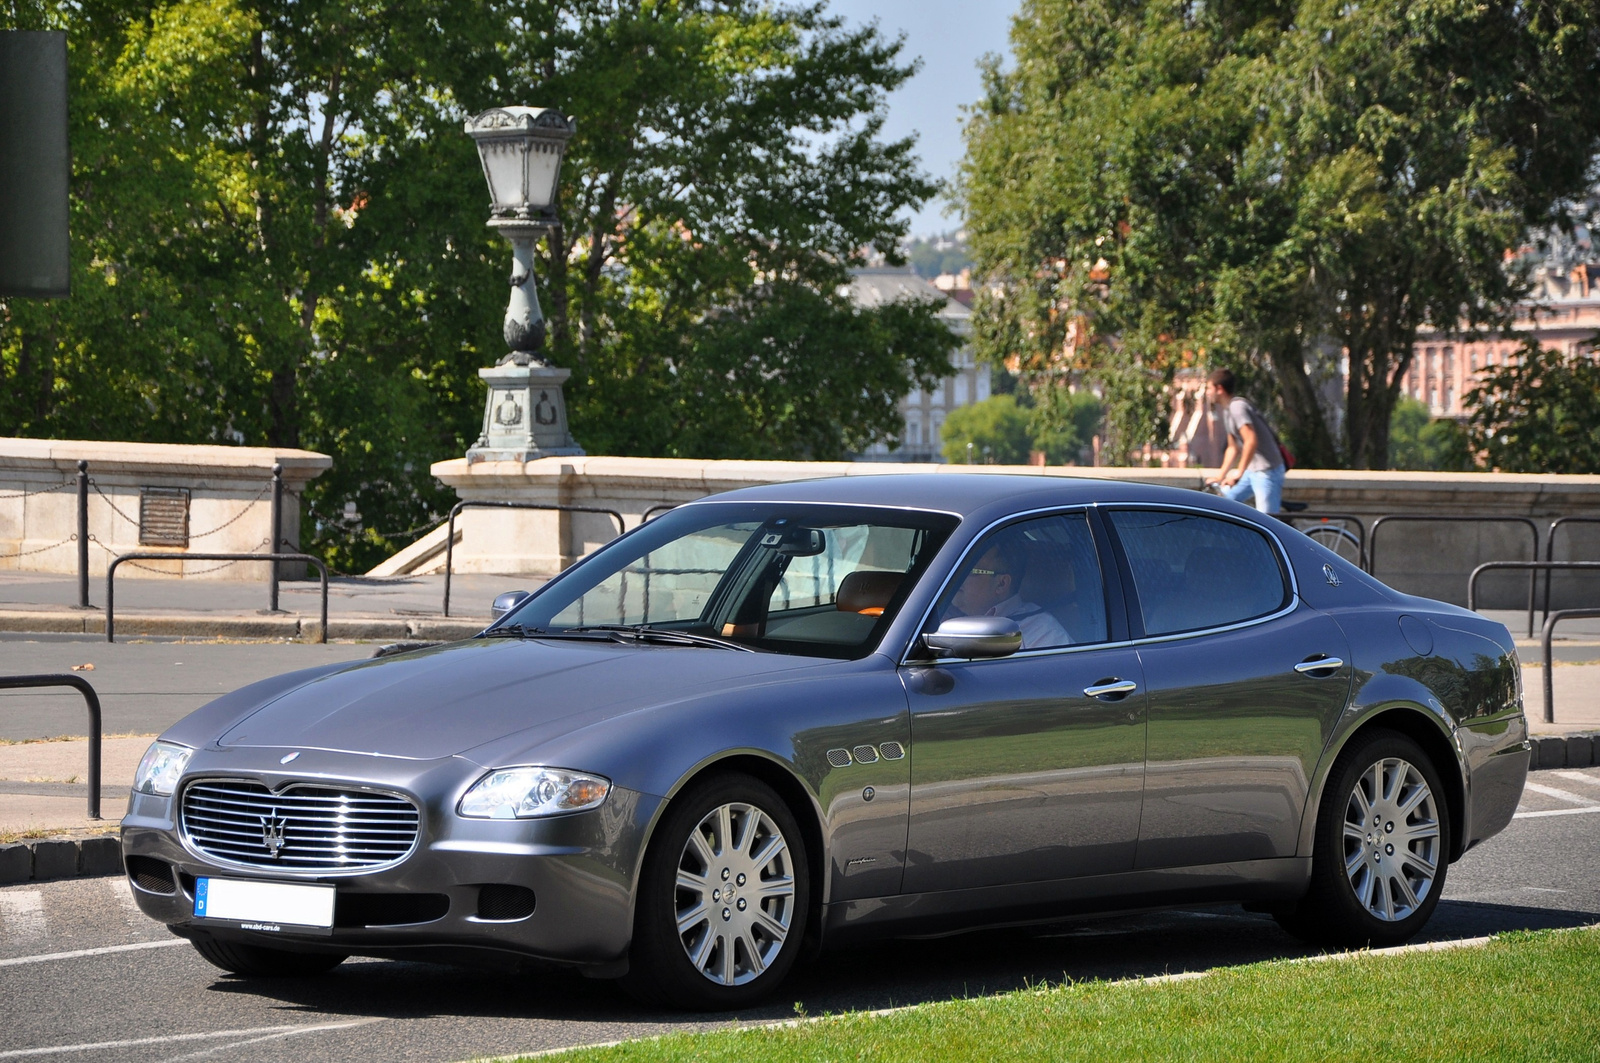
[[84, 976], [145, 686]]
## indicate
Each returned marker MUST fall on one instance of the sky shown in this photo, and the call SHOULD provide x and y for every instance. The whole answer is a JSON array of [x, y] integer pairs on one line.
[[950, 36]]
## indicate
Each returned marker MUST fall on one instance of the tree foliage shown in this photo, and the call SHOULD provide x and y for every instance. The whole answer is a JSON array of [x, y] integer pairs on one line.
[[278, 234], [1417, 441], [1540, 414], [1248, 182], [996, 429]]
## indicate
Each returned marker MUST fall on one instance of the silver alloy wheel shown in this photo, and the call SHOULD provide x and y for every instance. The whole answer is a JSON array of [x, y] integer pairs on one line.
[[735, 899], [1391, 839]]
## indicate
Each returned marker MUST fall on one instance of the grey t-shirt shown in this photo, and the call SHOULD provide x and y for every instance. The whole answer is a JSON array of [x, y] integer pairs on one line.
[[1239, 412]]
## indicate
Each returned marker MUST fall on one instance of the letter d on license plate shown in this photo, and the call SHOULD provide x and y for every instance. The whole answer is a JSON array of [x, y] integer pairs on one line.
[[269, 906]]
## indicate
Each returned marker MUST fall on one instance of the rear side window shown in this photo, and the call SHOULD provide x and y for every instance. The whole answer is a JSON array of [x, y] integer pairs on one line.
[[1194, 572]]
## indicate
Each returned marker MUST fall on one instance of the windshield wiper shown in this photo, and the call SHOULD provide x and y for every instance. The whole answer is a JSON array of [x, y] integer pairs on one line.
[[520, 631], [645, 633]]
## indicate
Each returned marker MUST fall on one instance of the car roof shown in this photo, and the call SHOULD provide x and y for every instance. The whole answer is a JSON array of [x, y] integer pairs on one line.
[[963, 493]]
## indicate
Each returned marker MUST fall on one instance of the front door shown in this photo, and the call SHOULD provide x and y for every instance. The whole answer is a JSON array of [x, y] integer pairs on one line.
[[1027, 768]]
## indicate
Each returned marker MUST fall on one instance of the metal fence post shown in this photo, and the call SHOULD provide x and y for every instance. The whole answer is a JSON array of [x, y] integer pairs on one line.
[[276, 521], [83, 535]]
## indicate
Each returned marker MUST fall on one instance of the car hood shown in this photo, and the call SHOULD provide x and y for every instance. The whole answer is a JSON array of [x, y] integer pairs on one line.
[[441, 702]]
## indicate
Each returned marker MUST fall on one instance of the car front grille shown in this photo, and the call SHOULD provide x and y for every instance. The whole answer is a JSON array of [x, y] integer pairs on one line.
[[299, 828]]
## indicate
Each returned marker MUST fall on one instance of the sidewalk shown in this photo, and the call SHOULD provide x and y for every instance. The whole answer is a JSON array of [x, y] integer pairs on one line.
[[403, 607]]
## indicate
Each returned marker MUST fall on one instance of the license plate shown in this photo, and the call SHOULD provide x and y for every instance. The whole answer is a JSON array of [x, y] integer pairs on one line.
[[267, 906]]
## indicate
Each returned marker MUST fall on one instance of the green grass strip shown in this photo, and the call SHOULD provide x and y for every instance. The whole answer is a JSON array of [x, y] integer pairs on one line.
[[1531, 996]]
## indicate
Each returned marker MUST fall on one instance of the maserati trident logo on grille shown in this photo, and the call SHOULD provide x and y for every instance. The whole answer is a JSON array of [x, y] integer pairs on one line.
[[272, 826]]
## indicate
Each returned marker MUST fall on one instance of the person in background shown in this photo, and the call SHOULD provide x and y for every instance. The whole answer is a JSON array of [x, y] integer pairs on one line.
[[1253, 463]]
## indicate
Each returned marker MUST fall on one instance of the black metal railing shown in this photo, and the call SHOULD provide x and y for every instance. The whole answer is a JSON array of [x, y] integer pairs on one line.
[[1360, 532], [450, 535], [1430, 518], [1550, 623], [1550, 549], [273, 558], [92, 700], [653, 510]]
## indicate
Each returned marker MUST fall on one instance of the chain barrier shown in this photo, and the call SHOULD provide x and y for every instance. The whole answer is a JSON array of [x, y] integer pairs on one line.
[[247, 507], [178, 557], [30, 494], [29, 553], [110, 503]]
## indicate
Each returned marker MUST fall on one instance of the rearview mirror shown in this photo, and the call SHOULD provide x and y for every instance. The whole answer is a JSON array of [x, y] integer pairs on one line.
[[504, 603], [975, 636], [796, 542]]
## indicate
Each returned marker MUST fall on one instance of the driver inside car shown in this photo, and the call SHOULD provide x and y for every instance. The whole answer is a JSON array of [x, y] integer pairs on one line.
[[991, 587]]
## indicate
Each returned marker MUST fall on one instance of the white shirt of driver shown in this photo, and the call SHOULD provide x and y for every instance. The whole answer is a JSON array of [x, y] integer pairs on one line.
[[1040, 630]]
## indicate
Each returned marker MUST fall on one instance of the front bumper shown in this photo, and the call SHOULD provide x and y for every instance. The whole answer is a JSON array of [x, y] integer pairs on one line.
[[580, 869]]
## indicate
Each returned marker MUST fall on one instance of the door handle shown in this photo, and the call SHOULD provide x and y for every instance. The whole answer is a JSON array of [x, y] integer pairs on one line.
[[1319, 667], [1106, 688]]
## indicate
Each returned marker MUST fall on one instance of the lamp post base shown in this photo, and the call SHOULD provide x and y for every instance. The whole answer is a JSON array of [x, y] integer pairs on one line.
[[525, 417]]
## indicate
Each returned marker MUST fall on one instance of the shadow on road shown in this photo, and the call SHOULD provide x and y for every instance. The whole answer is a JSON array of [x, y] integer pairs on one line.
[[881, 975]]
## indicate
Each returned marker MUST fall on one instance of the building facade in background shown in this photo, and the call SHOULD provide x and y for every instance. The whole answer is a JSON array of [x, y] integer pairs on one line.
[[924, 412]]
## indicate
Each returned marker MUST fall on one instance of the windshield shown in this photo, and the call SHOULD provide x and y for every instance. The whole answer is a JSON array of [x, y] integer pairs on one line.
[[812, 580]]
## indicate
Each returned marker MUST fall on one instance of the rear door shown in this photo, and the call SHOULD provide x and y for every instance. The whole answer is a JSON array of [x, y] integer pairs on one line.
[[1244, 685]]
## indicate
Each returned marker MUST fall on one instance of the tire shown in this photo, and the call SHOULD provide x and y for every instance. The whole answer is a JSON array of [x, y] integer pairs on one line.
[[1382, 848], [1339, 539], [723, 898], [255, 961]]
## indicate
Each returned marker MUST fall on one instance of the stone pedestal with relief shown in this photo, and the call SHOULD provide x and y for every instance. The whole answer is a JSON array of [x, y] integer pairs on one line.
[[525, 416]]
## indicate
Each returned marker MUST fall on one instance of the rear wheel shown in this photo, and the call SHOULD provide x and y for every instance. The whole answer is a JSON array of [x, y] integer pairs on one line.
[[1339, 539], [1382, 845], [723, 899], [256, 961]]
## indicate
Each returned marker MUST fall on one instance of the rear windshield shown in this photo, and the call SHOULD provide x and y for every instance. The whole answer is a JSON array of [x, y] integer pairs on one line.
[[810, 580]]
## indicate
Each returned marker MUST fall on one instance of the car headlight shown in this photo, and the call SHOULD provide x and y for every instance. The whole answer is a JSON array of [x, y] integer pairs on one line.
[[524, 793], [159, 770]]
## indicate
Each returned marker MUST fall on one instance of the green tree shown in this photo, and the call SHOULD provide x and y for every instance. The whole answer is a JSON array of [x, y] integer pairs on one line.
[[278, 234], [1160, 183], [996, 429], [1418, 441], [1063, 423], [1541, 414]]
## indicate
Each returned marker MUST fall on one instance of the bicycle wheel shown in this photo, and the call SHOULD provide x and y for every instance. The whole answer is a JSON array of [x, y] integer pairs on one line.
[[1339, 539]]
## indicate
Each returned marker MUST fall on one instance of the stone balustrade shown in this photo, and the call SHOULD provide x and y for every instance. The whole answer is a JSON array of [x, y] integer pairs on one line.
[[165, 497], [1429, 559]]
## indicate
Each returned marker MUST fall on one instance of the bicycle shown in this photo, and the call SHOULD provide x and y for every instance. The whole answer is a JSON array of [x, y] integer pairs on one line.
[[1333, 536]]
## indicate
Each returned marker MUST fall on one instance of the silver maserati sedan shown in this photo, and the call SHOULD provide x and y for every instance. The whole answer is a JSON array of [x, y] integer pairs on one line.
[[805, 714]]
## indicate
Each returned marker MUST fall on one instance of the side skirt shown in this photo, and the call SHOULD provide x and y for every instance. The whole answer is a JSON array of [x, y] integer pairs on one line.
[[953, 911]]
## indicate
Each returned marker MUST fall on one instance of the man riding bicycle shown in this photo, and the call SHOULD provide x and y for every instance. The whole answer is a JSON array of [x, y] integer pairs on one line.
[[1253, 462]]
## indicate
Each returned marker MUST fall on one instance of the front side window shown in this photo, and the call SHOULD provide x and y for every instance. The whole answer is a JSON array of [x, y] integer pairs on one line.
[[1043, 573], [1193, 571], [812, 580]]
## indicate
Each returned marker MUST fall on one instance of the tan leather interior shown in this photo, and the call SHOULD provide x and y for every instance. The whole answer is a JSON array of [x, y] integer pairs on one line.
[[867, 592]]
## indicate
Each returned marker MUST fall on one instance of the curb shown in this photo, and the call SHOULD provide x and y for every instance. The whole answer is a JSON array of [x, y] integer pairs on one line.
[[43, 859], [1565, 751], [258, 627]]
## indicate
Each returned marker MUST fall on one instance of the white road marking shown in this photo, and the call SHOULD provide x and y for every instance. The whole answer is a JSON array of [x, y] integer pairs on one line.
[[1578, 776], [129, 907], [22, 914], [275, 1031], [204, 1052], [1559, 812], [79, 953], [1559, 795]]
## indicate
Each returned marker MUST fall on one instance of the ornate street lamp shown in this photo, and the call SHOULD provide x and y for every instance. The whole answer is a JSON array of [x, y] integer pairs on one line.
[[526, 416]]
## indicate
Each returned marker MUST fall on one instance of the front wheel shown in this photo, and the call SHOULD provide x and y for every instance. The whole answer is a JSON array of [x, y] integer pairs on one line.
[[1382, 847], [723, 898]]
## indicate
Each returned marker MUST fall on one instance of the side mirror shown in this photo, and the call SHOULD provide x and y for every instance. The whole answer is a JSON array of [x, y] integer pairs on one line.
[[508, 601], [975, 636]]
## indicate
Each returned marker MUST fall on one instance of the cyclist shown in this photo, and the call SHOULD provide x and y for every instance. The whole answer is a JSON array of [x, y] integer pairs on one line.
[[1253, 462]]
